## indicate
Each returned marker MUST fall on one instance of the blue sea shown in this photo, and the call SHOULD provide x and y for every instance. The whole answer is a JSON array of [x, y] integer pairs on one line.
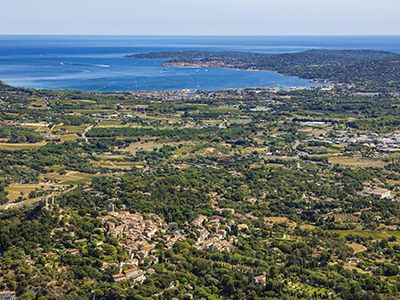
[[98, 63]]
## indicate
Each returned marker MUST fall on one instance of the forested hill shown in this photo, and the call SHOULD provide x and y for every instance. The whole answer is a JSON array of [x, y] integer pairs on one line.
[[346, 66]]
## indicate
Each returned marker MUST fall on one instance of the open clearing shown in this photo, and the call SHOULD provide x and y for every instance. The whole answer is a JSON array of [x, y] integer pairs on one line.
[[68, 137], [358, 248], [353, 162], [70, 128], [37, 103], [110, 124], [40, 126], [150, 145], [15, 190], [21, 146], [307, 227], [110, 156], [354, 268], [116, 165], [71, 177], [142, 146], [375, 234], [279, 220], [249, 150], [55, 191]]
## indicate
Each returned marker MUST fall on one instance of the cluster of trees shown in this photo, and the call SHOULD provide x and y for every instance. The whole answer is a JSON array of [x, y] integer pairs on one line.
[[19, 135], [3, 193]]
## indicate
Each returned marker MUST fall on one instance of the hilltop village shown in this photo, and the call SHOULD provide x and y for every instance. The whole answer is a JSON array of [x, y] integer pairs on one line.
[[234, 194]]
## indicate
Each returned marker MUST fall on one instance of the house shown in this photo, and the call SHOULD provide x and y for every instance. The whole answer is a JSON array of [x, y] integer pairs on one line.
[[135, 275], [198, 222], [153, 260], [132, 272], [131, 263], [260, 279], [214, 244], [214, 224], [243, 227], [118, 278], [202, 234], [73, 251], [221, 234]]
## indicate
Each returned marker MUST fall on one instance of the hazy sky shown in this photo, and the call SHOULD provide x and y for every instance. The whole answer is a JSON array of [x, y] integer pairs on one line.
[[204, 17]]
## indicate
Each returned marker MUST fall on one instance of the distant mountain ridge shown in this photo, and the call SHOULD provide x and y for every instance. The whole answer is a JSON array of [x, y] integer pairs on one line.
[[345, 66]]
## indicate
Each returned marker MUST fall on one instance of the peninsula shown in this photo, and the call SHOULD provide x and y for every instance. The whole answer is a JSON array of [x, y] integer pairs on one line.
[[342, 66]]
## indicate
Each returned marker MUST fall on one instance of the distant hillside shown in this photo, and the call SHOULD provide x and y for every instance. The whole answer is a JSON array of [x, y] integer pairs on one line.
[[387, 70], [345, 66]]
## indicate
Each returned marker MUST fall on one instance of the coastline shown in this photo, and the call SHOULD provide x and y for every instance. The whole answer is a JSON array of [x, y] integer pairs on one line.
[[190, 65]]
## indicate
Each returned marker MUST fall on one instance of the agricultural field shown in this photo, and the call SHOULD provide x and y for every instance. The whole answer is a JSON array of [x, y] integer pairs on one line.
[[357, 248], [143, 146], [21, 146], [69, 137], [67, 177], [69, 128], [20, 190], [374, 234], [353, 162]]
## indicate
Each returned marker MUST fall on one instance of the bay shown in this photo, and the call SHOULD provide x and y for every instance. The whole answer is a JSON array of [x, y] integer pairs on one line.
[[98, 63]]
